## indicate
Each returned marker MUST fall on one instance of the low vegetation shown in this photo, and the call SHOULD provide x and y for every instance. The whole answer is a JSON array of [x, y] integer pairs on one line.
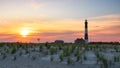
[[66, 52]]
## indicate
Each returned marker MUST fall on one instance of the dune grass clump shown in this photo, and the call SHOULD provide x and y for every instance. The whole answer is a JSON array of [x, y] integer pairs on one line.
[[6, 50], [100, 49], [77, 52], [110, 62], [78, 58], [51, 58], [116, 59], [72, 49], [97, 54], [66, 51], [101, 66], [59, 47], [4, 56], [91, 47], [45, 52], [105, 62], [116, 48], [85, 57], [86, 47], [13, 51], [40, 48], [14, 58], [20, 53], [26, 51], [33, 57], [61, 57], [47, 45], [69, 61], [53, 50]]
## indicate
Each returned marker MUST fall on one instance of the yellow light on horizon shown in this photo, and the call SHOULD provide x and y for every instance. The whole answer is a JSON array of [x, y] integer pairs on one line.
[[24, 33]]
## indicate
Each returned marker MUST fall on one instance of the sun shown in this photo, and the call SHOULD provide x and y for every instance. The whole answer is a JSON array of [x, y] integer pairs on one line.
[[24, 33]]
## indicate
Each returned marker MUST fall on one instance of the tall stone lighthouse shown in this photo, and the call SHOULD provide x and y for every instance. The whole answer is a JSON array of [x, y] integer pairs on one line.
[[86, 32]]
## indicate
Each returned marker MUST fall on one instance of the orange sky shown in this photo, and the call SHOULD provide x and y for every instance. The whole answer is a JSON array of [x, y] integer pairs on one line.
[[58, 19], [102, 28]]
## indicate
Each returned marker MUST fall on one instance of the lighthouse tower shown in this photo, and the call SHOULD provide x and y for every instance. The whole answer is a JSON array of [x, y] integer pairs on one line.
[[86, 32]]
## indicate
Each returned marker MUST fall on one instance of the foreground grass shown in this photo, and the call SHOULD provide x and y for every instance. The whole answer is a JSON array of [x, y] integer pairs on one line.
[[67, 52]]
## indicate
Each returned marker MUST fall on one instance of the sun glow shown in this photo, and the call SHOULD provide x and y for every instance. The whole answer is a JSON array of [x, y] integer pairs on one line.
[[24, 33]]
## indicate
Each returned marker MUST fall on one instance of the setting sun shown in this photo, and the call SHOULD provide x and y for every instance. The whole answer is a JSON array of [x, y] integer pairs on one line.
[[24, 33]]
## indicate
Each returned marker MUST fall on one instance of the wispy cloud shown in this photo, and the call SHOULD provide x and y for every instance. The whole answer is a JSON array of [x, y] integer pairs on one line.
[[100, 28], [107, 30], [55, 33]]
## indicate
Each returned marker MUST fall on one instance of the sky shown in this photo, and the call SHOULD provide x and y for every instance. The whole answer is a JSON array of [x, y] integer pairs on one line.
[[48, 20]]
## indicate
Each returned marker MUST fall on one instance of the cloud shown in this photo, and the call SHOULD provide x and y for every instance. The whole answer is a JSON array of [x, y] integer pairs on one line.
[[37, 4], [107, 29], [66, 35], [6, 35], [107, 17], [58, 33], [100, 28]]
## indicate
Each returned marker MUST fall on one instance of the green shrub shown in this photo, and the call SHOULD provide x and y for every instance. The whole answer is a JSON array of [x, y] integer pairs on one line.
[[47, 45], [85, 58], [78, 58], [66, 51], [72, 49], [52, 51], [110, 62], [14, 58], [61, 57], [26, 51], [101, 66], [4, 56], [69, 61], [13, 51], [77, 52], [40, 48], [20, 53], [45, 52], [51, 58], [33, 57], [116, 48], [116, 58]]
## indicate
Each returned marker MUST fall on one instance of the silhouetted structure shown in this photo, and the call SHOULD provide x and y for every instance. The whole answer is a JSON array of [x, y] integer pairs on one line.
[[86, 32], [59, 41], [79, 41]]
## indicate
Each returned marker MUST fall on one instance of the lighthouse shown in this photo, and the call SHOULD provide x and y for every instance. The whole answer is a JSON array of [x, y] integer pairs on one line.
[[86, 32]]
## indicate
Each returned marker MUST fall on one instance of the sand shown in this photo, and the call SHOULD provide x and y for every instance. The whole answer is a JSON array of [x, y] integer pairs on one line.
[[43, 61]]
